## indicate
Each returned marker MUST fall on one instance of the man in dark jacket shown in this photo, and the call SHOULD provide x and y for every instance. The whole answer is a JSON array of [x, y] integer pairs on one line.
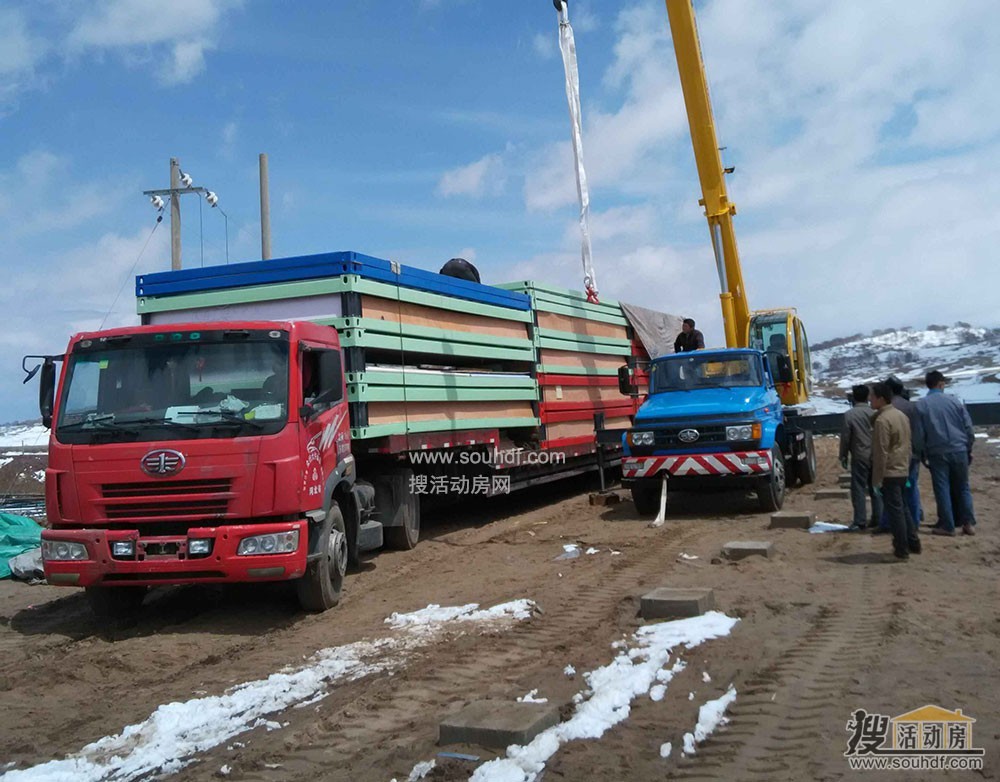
[[947, 437], [689, 339], [891, 450], [856, 443]]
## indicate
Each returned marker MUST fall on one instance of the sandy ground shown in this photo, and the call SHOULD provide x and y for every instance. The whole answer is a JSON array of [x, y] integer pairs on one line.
[[830, 623]]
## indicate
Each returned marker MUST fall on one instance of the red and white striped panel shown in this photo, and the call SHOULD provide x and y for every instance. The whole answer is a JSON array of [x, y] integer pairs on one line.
[[729, 463]]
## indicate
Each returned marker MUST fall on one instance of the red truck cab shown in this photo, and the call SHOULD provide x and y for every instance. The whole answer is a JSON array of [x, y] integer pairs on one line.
[[200, 453]]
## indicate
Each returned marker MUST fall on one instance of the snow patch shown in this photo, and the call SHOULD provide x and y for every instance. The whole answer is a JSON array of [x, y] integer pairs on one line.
[[592, 550], [169, 738], [688, 556], [711, 715], [705, 677], [22, 435], [611, 690], [826, 526], [532, 697], [432, 617], [421, 770], [666, 749], [569, 670]]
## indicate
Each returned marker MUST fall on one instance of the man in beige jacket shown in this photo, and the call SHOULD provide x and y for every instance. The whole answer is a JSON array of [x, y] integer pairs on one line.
[[891, 469]]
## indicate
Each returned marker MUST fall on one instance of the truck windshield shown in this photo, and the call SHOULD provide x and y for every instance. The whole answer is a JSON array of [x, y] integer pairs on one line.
[[705, 371], [183, 385]]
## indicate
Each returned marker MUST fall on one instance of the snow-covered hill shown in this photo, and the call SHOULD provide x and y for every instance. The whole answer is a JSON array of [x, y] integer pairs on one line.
[[968, 355]]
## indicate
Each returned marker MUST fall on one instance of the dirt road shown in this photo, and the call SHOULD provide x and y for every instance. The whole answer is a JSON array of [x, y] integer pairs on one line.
[[829, 624]]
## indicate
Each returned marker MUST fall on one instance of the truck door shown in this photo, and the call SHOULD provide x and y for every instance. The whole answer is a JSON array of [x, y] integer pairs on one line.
[[323, 416]]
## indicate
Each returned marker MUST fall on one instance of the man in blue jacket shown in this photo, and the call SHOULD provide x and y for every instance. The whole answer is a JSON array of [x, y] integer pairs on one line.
[[947, 445]]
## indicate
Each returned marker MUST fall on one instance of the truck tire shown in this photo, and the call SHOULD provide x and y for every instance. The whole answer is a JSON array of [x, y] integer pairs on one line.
[[397, 506], [115, 603], [805, 469], [771, 491], [319, 589], [405, 536], [646, 497]]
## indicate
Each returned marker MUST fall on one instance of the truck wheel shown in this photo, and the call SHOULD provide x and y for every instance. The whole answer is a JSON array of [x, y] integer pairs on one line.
[[805, 469], [771, 491], [646, 496], [405, 536], [398, 508], [319, 589], [109, 603]]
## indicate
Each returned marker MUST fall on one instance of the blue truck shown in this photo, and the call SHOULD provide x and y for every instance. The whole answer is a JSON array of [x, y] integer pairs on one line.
[[713, 419]]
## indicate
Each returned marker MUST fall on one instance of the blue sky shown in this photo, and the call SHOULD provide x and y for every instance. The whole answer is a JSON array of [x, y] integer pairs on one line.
[[865, 135]]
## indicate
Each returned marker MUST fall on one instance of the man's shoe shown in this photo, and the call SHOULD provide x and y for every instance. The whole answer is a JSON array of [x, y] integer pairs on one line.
[[856, 528], [968, 529], [916, 548], [949, 533], [901, 554]]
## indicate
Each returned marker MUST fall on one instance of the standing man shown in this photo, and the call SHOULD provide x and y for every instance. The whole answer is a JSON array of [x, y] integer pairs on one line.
[[901, 401], [947, 445], [856, 442], [689, 339], [891, 448]]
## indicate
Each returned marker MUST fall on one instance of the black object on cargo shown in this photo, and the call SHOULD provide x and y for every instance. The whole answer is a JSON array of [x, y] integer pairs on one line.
[[461, 268]]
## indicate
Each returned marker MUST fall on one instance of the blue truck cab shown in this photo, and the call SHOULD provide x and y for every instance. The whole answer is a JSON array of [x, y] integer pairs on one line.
[[713, 419]]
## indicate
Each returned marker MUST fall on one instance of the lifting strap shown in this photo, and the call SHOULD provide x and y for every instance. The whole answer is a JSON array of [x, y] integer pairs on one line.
[[567, 45]]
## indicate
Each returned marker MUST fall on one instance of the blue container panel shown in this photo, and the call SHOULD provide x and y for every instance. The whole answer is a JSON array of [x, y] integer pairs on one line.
[[307, 267]]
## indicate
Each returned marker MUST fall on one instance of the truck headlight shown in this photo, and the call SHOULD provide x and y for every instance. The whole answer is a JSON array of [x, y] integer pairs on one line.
[[277, 543], [199, 547], [641, 438], [63, 550], [743, 432], [123, 548]]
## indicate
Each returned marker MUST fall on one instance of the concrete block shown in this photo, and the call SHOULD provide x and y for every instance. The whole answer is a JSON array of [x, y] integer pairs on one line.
[[741, 549], [667, 603], [844, 480], [833, 494], [497, 724], [605, 498], [792, 519]]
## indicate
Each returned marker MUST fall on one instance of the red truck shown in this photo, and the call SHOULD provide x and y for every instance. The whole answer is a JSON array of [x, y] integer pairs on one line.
[[214, 452]]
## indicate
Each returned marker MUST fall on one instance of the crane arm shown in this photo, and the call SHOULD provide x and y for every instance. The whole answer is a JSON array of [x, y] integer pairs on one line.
[[718, 208]]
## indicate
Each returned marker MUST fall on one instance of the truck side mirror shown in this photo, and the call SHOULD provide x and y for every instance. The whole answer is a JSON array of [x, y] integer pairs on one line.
[[625, 384], [47, 391]]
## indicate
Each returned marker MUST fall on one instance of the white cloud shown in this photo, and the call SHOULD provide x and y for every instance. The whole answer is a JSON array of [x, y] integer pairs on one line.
[[857, 130], [20, 54], [20, 51], [546, 45], [180, 31], [483, 177]]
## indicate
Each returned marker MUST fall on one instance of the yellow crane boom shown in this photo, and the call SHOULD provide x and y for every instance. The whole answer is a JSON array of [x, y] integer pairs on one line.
[[777, 332], [718, 208]]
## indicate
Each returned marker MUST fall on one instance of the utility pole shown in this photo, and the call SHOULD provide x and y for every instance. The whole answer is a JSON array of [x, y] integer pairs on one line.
[[175, 215], [181, 184], [265, 211]]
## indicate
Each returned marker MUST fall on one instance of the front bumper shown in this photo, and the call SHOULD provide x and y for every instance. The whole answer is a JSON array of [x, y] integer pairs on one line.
[[222, 565], [698, 464]]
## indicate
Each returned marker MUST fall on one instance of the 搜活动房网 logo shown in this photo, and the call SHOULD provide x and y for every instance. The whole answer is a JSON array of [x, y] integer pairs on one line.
[[928, 739]]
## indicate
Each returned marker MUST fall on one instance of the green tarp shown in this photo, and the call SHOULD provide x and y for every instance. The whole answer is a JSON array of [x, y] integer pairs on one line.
[[17, 535]]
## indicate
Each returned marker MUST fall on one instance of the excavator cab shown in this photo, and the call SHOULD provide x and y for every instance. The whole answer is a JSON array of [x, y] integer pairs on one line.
[[782, 337]]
